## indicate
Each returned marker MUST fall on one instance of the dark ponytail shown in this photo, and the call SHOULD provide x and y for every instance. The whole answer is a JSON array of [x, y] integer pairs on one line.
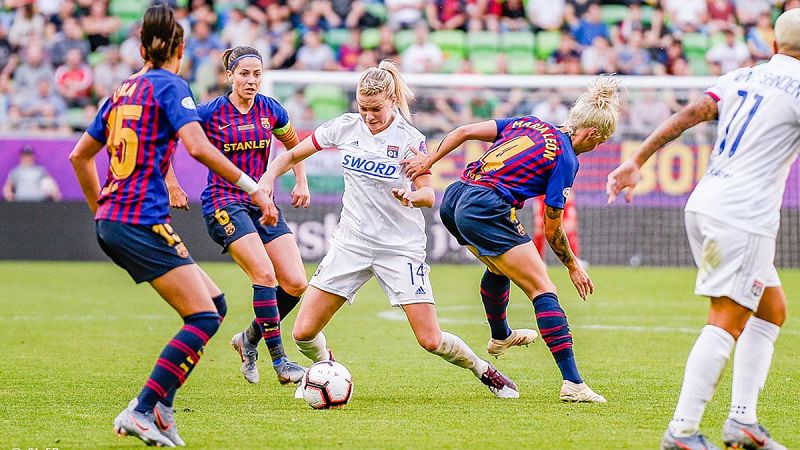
[[232, 56], [161, 34]]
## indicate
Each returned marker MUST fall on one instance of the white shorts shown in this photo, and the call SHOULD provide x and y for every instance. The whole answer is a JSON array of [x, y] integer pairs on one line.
[[348, 265], [731, 262]]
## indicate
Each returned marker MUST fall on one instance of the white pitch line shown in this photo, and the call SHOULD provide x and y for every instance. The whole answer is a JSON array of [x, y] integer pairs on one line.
[[395, 315]]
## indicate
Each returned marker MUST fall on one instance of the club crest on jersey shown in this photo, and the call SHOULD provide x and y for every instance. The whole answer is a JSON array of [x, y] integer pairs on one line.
[[392, 151], [757, 288], [265, 122], [566, 192]]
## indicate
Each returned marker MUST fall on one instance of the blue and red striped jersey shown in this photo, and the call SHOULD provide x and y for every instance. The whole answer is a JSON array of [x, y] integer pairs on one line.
[[244, 138], [529, 158], [139, 125]]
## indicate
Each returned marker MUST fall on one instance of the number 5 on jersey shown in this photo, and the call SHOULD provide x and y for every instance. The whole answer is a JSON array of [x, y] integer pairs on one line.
[[123, 143]]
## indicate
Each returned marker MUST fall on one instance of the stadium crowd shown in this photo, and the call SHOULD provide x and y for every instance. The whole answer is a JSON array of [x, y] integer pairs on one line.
[[60, 58]]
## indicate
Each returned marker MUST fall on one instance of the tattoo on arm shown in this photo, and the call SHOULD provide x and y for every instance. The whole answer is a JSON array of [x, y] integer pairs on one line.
[[701, 110], [558, 241]]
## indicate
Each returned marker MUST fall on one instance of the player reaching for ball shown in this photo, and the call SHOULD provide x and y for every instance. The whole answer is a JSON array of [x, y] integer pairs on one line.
[[381, 232]]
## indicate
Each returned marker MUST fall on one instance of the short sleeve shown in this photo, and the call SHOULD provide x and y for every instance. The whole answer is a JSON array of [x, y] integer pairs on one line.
[[328, 134], [281, 125], [502, 123], [560, 182], [717, 91], [204, 111], [175, 98], [97, 129]]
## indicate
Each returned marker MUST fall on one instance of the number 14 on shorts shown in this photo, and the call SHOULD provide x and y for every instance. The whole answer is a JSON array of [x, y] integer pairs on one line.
[[417, 272]]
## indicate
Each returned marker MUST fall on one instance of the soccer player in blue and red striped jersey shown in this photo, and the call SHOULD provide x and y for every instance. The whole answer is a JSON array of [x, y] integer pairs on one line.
[[140, 124], [528, 158], [241, 125]]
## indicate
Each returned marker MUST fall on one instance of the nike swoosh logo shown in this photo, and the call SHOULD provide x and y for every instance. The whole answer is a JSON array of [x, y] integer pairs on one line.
[[757, 441], [138, 425], [222, 127], [160, 421]]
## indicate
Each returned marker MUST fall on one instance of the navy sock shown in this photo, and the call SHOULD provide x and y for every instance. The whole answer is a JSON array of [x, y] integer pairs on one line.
[[555, 332], [494, 293], [222, 309], [178, 358], [268, 319], [286, 302], [253, 333]]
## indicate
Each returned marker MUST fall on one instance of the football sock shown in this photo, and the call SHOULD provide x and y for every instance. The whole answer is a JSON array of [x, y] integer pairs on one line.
[[222, 306], [178, 358], [751, 361], [269, 322], [494, 294], [286, 302], [222, 309], [554, 328], [455, 351], [704, 366], [315, 349], [253, 334]]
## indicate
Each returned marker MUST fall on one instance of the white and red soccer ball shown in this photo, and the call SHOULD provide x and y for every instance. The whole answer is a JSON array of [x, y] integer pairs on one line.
[[327, 384]]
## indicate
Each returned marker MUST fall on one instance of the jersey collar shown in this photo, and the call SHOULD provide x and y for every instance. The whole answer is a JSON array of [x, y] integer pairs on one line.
[[784, 59]]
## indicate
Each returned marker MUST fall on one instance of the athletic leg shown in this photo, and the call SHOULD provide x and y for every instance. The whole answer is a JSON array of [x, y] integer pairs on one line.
[[315, 312], [289, 270]]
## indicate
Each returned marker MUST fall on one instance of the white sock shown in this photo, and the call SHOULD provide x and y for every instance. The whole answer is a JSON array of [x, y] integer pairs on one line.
[[455, 351], [751, 362], [703, 368], [315, 349]]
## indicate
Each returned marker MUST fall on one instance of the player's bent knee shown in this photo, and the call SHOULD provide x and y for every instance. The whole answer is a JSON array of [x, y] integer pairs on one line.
[[430, 342], [264, 276], [302, 333], [294, 287], [207, 322]]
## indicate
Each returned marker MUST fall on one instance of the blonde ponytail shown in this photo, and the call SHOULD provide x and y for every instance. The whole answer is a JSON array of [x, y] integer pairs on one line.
[[598, 107], [386, 78]]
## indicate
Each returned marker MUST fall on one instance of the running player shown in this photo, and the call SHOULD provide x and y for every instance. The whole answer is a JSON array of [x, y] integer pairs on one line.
[[732, 221], [381, 232], [241, 125], [141, 124], [528, 158]]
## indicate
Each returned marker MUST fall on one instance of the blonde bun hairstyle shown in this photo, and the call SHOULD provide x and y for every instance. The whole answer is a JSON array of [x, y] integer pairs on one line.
[[598, 107]]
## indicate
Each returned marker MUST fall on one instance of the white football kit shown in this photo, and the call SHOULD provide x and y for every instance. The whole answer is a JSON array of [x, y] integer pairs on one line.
[[376, 235], [733, 215]]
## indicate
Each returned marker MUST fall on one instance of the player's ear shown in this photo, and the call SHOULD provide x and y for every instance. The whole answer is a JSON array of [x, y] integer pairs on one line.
[[775, 47], [142, 52]]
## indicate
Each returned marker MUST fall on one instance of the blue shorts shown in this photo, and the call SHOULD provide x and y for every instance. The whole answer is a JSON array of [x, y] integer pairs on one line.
[[145, 251], [477, 216], [235, 220]]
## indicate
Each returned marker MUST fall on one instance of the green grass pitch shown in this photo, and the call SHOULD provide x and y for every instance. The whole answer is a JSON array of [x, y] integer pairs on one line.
[[78, 339]]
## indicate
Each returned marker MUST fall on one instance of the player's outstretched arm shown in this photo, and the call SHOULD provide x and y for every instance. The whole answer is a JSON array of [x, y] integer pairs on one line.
[[301, 196], [421, 164], [422, 196], [626, 176], [177, 196], [284, 162], [199, 147], [82, 159], [557, 238]]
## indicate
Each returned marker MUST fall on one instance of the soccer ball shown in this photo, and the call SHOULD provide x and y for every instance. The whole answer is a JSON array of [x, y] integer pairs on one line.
[[327, 384]]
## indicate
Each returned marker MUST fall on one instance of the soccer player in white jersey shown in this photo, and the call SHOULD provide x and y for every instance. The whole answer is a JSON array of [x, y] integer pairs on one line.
[[381, 232], [732, 220]]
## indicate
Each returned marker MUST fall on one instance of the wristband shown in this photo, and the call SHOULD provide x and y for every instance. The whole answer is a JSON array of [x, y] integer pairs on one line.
[[247, 184]]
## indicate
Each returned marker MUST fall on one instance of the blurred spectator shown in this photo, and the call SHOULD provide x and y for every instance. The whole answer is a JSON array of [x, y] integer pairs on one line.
[[422, 56], [284, 53], [551, 110], [761, 37], [110, 73], [721, 15], [386, 48], [299, 111], [512, 17], [546, 14], [129, 49], [350, 51], [590, 26], [686, 15], [647, 112], [74, 79], [446, 14], [598, 57], [48, 8], [577, 8], [727, 55], [314, 54], [55, 22], [72, 37], [30, 182], [748, 11], [239, 29], [631, 58], [566, 59], [6, 51], [28, 27], [200, 45], [404, 13], [34, 67], [99, 26]]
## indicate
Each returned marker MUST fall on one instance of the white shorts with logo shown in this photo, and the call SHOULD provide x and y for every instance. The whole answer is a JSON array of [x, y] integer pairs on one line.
[[731, 262], [351, 262]]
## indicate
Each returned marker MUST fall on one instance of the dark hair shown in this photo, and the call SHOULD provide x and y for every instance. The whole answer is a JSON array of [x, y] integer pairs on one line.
[[161, 34], [230, 56]]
